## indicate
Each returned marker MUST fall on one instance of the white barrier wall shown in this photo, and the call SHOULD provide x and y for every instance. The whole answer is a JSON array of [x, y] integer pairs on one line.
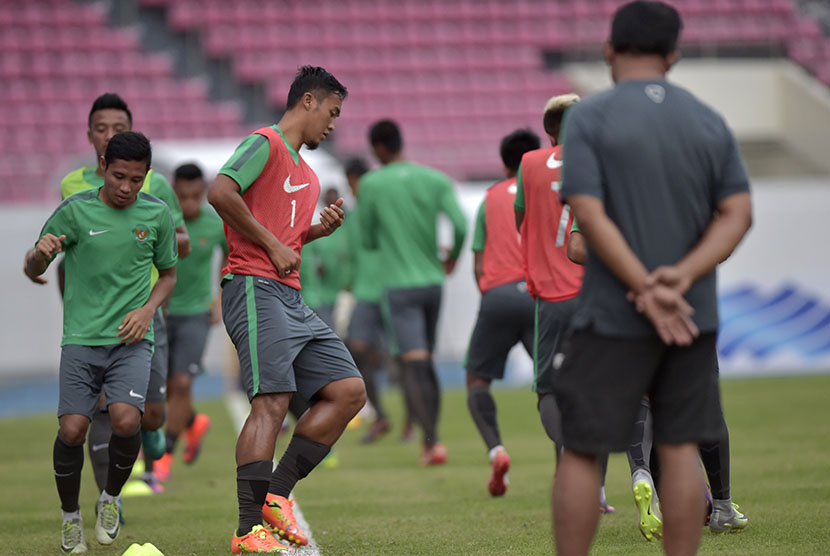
[[775, 291]]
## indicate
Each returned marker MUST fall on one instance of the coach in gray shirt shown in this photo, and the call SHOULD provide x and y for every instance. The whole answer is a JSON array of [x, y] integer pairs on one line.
[[657, 185]]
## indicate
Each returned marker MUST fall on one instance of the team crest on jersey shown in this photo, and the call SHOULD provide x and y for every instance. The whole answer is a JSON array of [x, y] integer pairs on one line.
[[141, 233], [203, 241]]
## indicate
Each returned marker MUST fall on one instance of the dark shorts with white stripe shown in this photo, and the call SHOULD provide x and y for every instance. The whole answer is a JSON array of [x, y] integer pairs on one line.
[[121, 370], [283, 346], [553, 321]]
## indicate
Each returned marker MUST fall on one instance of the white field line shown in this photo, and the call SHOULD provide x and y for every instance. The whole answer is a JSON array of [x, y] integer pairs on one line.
[[238, 407]]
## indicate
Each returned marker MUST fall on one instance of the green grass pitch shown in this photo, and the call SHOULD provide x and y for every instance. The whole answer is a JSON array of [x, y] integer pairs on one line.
[[378, 501]]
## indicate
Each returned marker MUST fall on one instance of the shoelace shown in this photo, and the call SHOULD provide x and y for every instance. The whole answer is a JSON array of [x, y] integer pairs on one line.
[[72, 532], [109, 515]]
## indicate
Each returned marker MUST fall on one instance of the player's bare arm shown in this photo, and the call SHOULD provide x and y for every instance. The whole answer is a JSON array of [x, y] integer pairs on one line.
[[38, 259], [665, 308], [722, 236], [137, 322], [224, 195], [331, 218], [577, 248], [183, 241]]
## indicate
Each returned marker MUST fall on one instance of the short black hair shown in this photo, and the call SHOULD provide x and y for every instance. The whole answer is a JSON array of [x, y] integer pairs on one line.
[[356, 167], [106, 101], [515, 145], [642, 27], [189, 171], [130, 146], [315, 80], [388, 134]]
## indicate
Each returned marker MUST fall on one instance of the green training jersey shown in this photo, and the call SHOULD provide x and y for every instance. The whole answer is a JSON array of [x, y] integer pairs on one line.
[[108, 255], [480, 231], [332, 258], [400, 203], [195, 274], [363, 268], [309, 279]]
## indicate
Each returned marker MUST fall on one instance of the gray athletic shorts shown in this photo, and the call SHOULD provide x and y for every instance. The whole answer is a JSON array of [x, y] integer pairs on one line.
[[283, 346], [505, 317], [157, 389], [187, 336], [326, 314], [366, 325], [413, 317], [553, 321], [601, 380], [122, 370]]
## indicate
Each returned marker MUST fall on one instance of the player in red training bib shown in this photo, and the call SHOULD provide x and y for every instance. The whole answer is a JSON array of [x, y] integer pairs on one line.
[[267, 194]]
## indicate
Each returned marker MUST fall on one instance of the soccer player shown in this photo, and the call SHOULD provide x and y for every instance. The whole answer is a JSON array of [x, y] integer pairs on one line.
[[655, 179], [505, 316], [330, 256], [192, 309], [111, 236], [552, 280], [400, 203], [366, 332], [266, 194], [109, 115]]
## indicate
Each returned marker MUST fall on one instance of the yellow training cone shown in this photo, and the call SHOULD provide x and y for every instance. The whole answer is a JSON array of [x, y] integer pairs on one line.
[[150, 550], [136, 488], [134, 550]]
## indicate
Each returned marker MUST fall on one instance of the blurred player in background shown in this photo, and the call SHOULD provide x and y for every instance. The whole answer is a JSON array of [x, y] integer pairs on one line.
[[400, 203], [193, 308], [366, 332], [267, 194], [654, 178], [505, 316], [112, 236], [328, 259]]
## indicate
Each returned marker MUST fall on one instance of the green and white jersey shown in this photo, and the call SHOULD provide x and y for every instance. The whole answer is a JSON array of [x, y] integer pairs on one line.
[[108, 256], [195, 274]]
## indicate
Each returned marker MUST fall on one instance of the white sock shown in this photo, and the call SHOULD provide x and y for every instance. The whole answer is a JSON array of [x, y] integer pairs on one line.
[[722, 505], [641, 475], [67, 516], [106, 497], [495, 451]]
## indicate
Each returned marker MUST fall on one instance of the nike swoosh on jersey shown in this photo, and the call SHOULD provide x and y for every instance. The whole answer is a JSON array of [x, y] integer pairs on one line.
[[552, 162], [293, 188], [97, 233], [134, 395]]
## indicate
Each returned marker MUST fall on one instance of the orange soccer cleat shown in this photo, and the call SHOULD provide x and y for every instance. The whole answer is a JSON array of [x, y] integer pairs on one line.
[[194, 435], [257, 541], [278, 513]]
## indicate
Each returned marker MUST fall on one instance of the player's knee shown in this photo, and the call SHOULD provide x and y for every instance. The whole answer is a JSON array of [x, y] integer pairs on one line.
[[153, 417], [352, 394], [73, 428], [125, 423]]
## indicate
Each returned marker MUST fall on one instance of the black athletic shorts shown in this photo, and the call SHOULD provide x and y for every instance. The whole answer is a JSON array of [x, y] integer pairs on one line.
[[600, 380]]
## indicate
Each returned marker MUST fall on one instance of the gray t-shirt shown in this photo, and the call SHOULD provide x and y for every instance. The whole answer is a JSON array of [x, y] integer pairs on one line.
[[661, 161]]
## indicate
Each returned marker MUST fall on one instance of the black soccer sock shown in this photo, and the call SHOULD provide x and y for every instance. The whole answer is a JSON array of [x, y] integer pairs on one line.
[[367, 368], [191, 420], [639, 451], [297, 406], [654, 467], [68, 461], [483, 410], [123, 452], [602, 466], [715, 458], [301, 456], [551, 420], [148, 462], [251, 490], [421, 387], [170, 442], [98, 438]]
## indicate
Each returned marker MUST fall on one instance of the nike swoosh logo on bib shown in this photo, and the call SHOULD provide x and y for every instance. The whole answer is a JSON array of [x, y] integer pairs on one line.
[[553, 163], [293, 188]]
